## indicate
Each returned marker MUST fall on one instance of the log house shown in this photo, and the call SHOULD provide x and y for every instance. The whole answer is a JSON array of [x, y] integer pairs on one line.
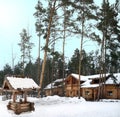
[[89, 86]]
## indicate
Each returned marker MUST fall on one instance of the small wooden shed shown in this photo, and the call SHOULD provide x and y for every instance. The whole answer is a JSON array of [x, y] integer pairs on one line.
[[16, 86]]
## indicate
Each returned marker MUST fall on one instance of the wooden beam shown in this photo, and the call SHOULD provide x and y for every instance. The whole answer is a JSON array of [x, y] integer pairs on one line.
[[25, 96], [14, 96]]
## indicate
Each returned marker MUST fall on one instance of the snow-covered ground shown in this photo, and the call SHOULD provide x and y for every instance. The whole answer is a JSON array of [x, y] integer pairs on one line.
[[55, 106]]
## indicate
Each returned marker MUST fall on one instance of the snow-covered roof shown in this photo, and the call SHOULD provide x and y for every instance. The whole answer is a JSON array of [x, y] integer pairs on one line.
[[82, 78], [22, 83], [85, 78], [59, 80], [53, 83], [88, 84], [96, 76], [93, 76], [110, 80], [117, 76], [88, 79]]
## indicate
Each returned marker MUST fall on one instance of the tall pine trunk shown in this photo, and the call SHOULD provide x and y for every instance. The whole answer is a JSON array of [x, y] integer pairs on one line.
[[80, 58], [46, 47]]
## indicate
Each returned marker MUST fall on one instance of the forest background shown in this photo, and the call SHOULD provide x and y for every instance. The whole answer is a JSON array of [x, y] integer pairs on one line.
[[100, 22]]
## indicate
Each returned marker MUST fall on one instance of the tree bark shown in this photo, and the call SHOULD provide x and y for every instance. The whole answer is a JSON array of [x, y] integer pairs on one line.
[[46, 46], [80, 58]]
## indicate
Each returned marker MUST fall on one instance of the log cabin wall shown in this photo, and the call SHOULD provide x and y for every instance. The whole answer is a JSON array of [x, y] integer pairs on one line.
[[48, 92], [71, 87], [90, 93], [118, 91], [87, 93], [54, 91], [57, 91], [112, 92]]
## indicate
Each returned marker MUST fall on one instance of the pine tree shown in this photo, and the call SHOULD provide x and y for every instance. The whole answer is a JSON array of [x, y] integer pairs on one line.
[[25, 48], [73, 64], [18, 69], [48, 20], [62, 11], [88, 62], [7, 70], [39, 25], [108, 25]]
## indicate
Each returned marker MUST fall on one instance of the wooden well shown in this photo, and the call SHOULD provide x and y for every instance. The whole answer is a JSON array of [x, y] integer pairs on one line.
[[19, 86], [19, 107], [22, 105]]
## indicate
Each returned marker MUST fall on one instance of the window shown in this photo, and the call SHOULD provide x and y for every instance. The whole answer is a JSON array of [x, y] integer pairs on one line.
[[87, 92], [109, 93]]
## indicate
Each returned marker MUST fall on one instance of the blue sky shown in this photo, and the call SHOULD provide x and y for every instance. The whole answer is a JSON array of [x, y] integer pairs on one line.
[[16, 15]]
